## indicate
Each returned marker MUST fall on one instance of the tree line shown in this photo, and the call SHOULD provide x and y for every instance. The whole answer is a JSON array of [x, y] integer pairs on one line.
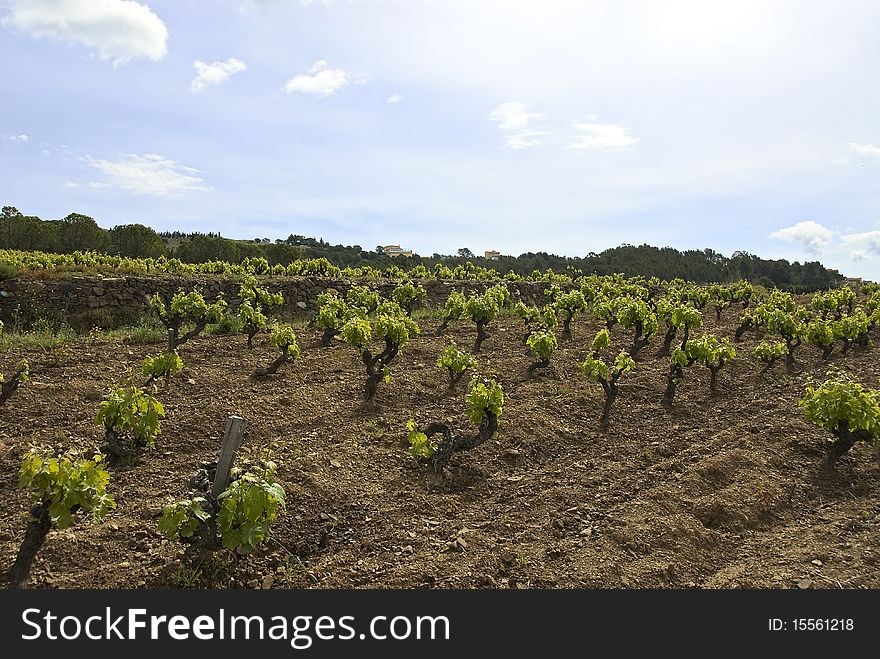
[[77, 232]]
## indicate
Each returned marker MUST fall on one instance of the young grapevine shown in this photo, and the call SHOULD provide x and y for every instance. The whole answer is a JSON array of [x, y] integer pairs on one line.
[[847, 410], [131, 421], [59, 486], [455, 362], [485, 400], [606, 373]]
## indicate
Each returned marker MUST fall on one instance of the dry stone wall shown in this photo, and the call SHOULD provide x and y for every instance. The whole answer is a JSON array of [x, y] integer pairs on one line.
[[81, 299]]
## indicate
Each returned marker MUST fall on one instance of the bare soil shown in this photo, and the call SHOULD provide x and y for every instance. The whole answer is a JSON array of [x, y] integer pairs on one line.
[[723, 491]]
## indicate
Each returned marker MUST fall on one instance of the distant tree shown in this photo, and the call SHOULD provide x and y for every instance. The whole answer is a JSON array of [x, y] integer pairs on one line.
[[282, 253], [8, 221], [137, 241], [27, 232], [465, 253], [81, 233], [10, 212]]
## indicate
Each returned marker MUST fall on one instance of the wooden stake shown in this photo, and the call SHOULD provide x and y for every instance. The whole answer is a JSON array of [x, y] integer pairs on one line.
[[235, 426]]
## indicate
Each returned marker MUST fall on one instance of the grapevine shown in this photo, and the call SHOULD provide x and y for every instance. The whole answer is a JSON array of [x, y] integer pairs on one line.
[[482, 309], [485, 401], [254, 301], [59, 487], [284, 339], [543, 344], [606, 373], [408, 295], [186, 308], [455, 362], [131, 421], [770, 353], [453, 309], [845, 408], [684, 318], [164, 365], [239, 519], [390, 324], [9, 385]]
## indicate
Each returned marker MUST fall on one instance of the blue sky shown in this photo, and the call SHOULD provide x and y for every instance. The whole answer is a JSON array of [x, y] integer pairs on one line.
[[562, 126]]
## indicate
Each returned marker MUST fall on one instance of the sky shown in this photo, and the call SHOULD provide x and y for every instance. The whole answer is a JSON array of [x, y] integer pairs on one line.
[[564, 126]]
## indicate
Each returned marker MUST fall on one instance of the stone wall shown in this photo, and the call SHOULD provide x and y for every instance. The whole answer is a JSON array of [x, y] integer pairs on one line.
[[114, 300]]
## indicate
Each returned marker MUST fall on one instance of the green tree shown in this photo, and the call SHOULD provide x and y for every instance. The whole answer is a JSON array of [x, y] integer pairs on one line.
[[81, 233], [136, 241]]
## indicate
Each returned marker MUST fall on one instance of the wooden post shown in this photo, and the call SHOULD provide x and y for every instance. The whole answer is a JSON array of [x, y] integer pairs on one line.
[[171, 345], [235, 426]]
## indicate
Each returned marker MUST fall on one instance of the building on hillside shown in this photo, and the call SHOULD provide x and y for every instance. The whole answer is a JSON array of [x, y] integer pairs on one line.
[[492, 255], [396, 250]]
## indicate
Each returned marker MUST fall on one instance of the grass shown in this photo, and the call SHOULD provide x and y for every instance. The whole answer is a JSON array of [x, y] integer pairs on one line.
[[44, 337], [228, 324], [37, 339], [186, 577], [428, 313], [142, 333]]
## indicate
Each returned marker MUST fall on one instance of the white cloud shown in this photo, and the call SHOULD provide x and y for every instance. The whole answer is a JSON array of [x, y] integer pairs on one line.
[[858, 256], [21, 139], [394, 98], [811, 235], [869, 242], [120, 30], [323, 81], [601, 136], [148, 174], [320, 65], [215, 73], [865, 149], [524, 139], [512, 116], [515, 120], [71, 185], [255, 4]]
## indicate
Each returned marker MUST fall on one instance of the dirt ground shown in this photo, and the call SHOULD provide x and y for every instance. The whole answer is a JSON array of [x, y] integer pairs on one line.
[[722, 491]]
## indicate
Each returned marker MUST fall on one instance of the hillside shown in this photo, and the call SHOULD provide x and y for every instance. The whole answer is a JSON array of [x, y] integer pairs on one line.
[[77, 232]]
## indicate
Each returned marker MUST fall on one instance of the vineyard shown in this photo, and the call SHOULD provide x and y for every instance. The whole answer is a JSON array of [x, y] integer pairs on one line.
[[612, 433]]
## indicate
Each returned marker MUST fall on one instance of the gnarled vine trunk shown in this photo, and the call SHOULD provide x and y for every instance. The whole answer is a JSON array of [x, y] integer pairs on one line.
[[846, 439], [376, 367], [118, 450], [482, 335], [452, 442], [610, 388], [668, 338], [34, 536], [676, 373]]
